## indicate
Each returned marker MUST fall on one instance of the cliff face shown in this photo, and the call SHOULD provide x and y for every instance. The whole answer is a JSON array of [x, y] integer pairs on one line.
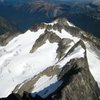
[[82, 87], [51, 62]]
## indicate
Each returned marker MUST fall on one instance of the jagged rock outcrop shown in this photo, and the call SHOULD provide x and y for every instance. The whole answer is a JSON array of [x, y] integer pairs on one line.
[[82, 86]]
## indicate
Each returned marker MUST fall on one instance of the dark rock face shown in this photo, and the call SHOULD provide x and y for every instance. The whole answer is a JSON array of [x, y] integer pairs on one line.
[[6, 26], [12, 97], [82, 86]]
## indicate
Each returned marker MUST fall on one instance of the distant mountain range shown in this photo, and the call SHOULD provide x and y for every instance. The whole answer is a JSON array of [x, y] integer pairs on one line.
[[22, 14], [6, 26]]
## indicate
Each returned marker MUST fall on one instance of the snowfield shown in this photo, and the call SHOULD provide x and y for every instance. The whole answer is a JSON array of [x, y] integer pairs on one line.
[[17, 64]]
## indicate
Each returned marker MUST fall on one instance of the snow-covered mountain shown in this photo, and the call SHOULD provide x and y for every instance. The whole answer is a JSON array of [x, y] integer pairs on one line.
[[43, 59]]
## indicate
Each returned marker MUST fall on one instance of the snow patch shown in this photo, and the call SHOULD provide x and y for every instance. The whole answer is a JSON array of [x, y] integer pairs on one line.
[[46, 85], [94, 64], [65, 34], [70, 24], [77, 53], [52, 23], [44, 82]]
